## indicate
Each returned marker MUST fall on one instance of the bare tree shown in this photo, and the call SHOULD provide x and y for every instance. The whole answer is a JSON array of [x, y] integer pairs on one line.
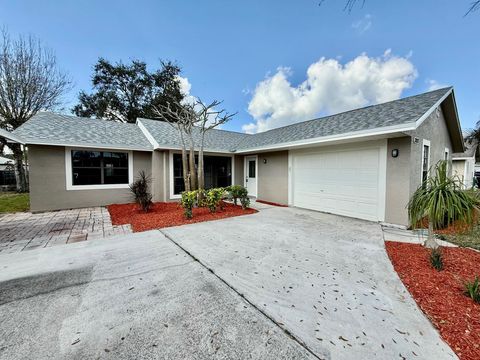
[[192, 121], [30, 81], [350, 4], [208, 118], [181, 117], [474, 6]]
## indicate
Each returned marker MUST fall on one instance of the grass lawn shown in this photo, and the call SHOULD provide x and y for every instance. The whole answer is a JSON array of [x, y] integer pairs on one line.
[[13, 202], [470, 238]]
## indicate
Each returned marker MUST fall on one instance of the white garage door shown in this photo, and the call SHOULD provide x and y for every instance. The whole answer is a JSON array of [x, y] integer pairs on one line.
[[345, 182]]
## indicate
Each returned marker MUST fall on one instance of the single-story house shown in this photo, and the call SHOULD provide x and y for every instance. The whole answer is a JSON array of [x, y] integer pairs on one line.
[[463, 165], [364, 163]]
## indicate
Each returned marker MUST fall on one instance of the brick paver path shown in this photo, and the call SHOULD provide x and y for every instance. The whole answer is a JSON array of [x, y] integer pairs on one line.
[[25, 231]]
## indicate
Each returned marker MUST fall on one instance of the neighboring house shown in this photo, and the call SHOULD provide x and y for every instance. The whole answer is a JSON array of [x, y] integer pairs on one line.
[[7, 174], [364, 163], [463, 165]]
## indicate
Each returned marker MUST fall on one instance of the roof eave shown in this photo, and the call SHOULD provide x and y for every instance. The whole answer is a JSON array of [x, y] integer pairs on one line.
[[88, 146], [390, 131], [11, 137]]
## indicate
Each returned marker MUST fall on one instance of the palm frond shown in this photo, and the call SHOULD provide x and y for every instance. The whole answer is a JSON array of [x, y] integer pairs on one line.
[[441, 200]]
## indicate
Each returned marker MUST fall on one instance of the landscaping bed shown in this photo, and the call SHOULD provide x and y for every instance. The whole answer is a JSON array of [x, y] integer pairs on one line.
[[440, 294], [163, 215]]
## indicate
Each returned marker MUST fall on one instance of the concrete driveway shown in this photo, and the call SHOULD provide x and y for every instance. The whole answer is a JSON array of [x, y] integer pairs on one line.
[[281, 284], [140, 297], [325, 279]]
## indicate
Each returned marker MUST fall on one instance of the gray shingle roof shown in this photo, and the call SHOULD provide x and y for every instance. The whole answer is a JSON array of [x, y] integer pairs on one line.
[[70, 130], [397, 112], [56, 129], [215, 140]]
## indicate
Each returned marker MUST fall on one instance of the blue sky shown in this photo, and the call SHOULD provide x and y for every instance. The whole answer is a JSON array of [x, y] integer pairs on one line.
[[232, 50]]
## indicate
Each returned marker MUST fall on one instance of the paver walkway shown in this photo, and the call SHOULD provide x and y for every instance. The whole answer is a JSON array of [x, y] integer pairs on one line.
[[25, 231]]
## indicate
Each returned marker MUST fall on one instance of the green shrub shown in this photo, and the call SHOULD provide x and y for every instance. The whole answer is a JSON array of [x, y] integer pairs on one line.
[[213, 198], [245, 201], [189, 198], [436, 259], [238, 192], [201, 198], [472, 289], [140, 190]]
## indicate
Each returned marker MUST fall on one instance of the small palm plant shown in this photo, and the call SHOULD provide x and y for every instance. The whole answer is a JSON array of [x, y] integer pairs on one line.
[[141, 192], [442, 201]]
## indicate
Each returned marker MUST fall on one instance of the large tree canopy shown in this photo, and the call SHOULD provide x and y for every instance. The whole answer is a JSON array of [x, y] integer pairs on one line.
[[124, 92]]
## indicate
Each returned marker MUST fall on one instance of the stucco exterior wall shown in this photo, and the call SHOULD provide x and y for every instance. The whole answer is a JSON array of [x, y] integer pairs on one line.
[[239, 170], [158, 178], [48, 181], [433, 129], [398, 181], [272, 179]]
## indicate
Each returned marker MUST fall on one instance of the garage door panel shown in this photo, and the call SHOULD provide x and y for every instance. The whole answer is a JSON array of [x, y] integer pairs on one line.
[[342, 182]]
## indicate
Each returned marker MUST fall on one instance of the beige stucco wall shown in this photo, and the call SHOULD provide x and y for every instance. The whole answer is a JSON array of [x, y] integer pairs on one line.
[[398, 181], [48, 181], [434, 129], [239, 170], [272, 179], [158, 179]]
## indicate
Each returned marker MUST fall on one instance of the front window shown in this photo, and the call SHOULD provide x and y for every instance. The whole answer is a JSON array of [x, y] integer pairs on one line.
[[217, 172], [425, 162], [99, 167]]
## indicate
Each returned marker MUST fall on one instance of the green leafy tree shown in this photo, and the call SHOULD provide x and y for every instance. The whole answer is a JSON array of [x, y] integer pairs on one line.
[[125, 92], [473, 136]]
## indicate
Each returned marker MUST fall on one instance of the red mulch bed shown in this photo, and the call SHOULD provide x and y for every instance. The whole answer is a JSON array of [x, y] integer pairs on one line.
[[271, 203], [167, 214], [440, 293], [457, 227]]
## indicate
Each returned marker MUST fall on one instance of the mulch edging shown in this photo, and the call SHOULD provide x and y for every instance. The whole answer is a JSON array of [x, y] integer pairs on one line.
[[169, 214], [440, 293]]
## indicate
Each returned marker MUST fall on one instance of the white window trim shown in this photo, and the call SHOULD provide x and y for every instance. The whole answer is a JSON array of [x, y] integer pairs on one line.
[[173, 196], [245, 172], [425, 143], [447, 151], [68, 171]]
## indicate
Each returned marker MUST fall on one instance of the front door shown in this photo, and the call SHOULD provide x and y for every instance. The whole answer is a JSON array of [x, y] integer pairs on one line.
[[251, 175]]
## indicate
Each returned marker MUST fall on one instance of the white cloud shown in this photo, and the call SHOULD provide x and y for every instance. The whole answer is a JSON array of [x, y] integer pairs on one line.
[[185, 88], [363, 25], [435, 85], [330, 87]]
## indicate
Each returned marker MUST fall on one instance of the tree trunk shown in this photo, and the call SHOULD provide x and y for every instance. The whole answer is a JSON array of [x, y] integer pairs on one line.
[[201, 171], [19, 168], [186, 173], [193, 172], [430, 243]]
